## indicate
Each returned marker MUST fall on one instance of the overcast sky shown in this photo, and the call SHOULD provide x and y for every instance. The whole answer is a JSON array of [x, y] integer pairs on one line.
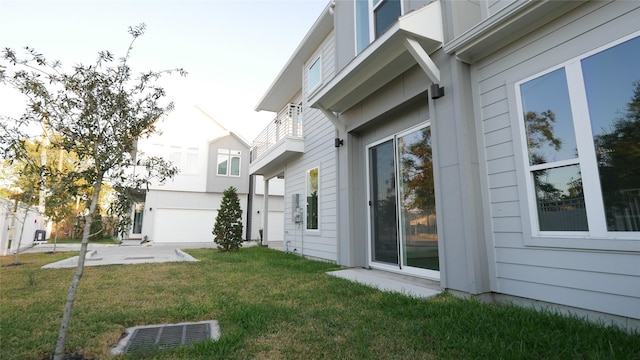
[[232, 49]]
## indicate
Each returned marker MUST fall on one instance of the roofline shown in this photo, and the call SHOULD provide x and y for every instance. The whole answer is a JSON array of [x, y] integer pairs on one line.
[[211, 118], [293, 67], [233, 134]]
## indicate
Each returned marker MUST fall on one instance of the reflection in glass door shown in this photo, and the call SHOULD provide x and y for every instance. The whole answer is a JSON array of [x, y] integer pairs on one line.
[[402, 203], [384, 235], [417, 200]]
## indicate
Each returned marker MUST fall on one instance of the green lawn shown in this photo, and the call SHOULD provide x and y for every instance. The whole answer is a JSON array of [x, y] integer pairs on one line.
[[273, 305], [102, 240]]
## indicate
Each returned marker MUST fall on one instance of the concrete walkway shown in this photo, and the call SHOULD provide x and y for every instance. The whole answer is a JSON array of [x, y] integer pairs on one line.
[[130, 252]]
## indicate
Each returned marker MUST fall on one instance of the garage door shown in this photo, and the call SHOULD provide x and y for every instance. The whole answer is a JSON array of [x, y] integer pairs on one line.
[[184, 225]]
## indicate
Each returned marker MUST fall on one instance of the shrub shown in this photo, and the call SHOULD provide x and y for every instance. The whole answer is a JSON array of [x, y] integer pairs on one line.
[[227, 231]]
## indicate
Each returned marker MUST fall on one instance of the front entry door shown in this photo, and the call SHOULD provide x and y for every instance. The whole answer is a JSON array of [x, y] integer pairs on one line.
[[402, 211]]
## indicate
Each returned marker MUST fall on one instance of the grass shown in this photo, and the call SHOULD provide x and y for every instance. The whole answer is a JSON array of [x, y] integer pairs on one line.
[[102, 240], [273, 305]]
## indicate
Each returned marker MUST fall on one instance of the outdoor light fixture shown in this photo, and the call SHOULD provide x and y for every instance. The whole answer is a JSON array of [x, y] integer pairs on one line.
[[436, 91]]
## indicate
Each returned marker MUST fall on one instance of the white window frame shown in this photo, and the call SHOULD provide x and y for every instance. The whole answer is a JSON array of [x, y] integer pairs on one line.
[[372, 5], [306, 192], [316, 60], [192, 157], [372, 19], [228, 155], [597, 237]]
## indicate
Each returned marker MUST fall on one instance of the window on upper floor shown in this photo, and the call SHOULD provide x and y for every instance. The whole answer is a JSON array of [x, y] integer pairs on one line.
[[581, 130], [314, 74], [229, 162], [373, 18], [185, 159]]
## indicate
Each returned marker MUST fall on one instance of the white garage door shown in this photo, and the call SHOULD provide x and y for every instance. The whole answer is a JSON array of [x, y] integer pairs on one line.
[[184, 225]]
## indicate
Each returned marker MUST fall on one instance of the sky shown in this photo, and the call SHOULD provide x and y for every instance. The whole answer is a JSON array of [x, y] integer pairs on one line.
[[232, 49]]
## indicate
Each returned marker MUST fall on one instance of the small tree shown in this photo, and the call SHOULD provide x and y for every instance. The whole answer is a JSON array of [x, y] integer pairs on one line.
[[228, 228], [96, 111]]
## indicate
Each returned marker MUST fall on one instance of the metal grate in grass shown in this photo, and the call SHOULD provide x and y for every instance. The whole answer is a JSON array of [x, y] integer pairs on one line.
[[141, 338]]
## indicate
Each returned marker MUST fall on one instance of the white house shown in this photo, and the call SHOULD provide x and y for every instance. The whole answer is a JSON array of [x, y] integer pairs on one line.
[[20, 226], [487, 145], [210, 159]]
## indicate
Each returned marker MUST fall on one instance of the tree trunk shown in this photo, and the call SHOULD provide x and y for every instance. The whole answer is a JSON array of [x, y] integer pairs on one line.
[[73, 288], [55, 239]]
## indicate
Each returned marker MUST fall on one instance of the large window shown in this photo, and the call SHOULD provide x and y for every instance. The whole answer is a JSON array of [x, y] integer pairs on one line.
[[312, 199], [385, 13], [184, 158], [373, 18], [229, 162], [581, 127], [314, 74]]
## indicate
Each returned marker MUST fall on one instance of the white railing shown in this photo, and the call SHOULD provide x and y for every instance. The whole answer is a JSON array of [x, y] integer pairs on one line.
[[287, 124]]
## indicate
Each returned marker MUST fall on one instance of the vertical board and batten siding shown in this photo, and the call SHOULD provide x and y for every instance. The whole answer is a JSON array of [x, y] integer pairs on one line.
[[589, 279], [319, 133]]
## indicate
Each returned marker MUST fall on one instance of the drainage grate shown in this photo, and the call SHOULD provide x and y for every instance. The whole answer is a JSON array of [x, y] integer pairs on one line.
[[139, 258], [141, 338]]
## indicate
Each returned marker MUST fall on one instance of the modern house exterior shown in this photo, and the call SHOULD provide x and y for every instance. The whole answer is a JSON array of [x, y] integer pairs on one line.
[[21, 225], [490, 145], [210, 160]]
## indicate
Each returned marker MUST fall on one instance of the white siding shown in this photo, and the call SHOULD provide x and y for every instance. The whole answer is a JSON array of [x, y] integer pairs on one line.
[[590, 279], [11, 226], [319, 152]]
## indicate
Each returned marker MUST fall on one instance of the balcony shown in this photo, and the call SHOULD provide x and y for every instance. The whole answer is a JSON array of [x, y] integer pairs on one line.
[[280, 141]]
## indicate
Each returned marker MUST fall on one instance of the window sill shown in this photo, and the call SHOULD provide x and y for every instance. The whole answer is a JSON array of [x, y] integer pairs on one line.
[[584, 242]]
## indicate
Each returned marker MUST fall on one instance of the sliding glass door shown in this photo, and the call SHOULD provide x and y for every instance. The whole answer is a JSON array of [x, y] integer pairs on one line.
[[403, 230]]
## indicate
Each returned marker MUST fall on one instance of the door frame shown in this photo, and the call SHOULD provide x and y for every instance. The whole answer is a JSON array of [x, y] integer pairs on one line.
[[400, 267]]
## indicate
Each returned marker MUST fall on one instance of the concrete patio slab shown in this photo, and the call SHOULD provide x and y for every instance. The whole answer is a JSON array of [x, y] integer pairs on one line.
[[386, 281], [99, 254]]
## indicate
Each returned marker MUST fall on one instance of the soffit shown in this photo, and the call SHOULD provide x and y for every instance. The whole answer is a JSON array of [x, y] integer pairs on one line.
[[383, 60], [289, 81], [506, 26]]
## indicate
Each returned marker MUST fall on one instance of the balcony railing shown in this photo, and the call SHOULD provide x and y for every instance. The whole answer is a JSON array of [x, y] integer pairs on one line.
[[287, 124]]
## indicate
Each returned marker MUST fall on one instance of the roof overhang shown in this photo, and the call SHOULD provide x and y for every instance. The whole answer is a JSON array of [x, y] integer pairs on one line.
[[505, 26], [408, 42], [289, 81]]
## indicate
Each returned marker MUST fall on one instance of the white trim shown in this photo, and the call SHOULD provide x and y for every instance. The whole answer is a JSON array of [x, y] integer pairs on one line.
[[316, 60], [306, 192], [400, 267]]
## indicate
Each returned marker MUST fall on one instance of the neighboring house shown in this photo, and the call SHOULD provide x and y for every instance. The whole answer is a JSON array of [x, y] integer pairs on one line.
[[478, 143], [210, 159], [12, 232]]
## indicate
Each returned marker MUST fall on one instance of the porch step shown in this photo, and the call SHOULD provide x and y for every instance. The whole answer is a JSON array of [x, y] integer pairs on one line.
[[387, 281]]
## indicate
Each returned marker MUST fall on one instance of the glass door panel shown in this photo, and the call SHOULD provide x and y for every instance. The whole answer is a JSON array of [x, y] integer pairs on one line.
[[384, 234], [417, 203]]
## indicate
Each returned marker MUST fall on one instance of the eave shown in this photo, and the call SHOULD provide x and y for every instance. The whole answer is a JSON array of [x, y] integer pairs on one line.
[[408, 42], [505, 26], [289, 81]]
